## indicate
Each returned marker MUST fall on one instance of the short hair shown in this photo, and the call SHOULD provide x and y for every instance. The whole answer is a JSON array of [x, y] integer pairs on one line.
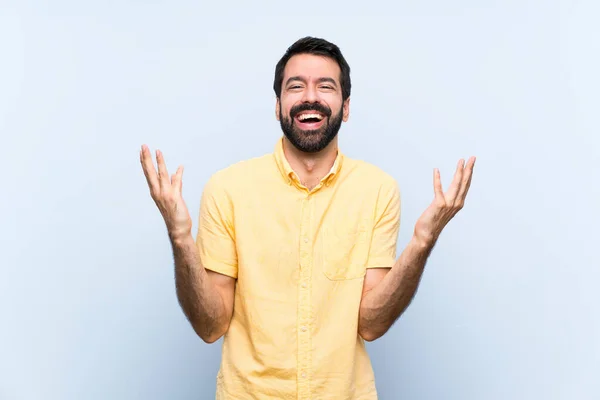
[[316, 46]]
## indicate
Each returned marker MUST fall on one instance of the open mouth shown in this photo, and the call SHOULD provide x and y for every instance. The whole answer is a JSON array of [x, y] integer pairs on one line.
[[309, 120]]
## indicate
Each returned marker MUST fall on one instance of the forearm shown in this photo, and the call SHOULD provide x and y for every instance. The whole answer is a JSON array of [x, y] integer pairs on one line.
[[200, 300], [383, 304]]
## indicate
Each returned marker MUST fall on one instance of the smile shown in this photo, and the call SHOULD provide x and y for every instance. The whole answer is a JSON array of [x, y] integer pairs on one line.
[[310, 117], [309, 120]]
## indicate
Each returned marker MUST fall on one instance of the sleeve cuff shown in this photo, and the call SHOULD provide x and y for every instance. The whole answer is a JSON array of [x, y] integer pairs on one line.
[[221, 268], [385, 263]]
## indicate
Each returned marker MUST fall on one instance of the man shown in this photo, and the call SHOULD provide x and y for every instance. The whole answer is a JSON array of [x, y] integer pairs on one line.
[[295, 257]]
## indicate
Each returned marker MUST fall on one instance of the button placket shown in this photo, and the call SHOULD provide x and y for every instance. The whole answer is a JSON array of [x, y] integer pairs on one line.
[[304, 306]]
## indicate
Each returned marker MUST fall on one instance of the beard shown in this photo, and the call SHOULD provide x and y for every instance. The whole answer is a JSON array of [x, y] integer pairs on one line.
[[315, 140]]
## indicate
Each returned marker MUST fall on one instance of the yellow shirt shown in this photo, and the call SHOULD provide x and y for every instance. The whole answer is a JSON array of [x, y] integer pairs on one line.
[[300, 257]]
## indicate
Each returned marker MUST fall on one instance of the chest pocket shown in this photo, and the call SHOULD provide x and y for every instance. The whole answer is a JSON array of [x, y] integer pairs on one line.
[[345, 251]]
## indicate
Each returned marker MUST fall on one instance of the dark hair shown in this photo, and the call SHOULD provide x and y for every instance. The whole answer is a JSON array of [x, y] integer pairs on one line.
[[316, 46]]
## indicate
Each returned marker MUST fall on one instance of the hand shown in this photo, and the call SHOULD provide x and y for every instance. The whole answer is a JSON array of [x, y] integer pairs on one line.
[[445, 205], [166, 193]]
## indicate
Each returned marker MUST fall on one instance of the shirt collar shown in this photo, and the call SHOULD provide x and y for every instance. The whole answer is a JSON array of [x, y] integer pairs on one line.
[[290, 176]]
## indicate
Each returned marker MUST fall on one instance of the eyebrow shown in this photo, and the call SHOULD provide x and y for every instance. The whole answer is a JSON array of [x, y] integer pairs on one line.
[[320, 80]]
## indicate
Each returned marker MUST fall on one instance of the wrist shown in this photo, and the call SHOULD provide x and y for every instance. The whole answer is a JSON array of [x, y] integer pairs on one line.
[[424, 243], [180, 237]]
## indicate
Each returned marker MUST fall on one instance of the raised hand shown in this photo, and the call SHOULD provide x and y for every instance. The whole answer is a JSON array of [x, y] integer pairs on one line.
[[445, 205], [166, 193]]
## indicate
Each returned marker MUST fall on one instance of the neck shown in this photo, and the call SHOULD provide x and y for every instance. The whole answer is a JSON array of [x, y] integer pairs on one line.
[[310, 167]]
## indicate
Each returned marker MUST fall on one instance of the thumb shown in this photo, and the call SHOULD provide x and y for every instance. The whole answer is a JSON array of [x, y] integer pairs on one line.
[[437, 184], [179, 179]]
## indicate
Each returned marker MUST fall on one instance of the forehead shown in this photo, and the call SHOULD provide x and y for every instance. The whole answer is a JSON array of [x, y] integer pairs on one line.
[[312, 66]]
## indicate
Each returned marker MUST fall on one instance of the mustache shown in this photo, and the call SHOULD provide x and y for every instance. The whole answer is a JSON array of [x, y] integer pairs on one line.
[[309, 107]]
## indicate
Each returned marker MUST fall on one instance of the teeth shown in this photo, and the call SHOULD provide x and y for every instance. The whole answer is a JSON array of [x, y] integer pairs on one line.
[[302, 117]]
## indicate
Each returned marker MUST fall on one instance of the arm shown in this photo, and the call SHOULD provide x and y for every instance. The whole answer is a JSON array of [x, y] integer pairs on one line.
[[388, 292], [206, 297]]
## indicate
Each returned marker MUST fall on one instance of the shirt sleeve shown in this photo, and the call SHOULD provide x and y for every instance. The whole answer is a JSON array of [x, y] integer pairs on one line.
[[216, 235], [384, 240]]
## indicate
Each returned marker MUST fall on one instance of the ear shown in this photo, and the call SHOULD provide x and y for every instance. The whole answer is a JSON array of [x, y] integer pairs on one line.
[[277, 109], [346, 109]]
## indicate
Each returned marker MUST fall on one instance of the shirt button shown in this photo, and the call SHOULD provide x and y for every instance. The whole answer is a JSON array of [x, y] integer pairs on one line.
[[304, 375], [304, 285], [305, 240], [303, 329]]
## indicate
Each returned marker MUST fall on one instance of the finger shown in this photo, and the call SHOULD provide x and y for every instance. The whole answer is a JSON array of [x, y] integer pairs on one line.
[[437, 184], [177, 180], [455, 185], [467, 179], [175, 176], [163, 174], [149, 170]]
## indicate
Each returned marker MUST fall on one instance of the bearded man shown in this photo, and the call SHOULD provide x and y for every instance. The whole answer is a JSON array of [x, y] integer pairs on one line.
[[294, 263]]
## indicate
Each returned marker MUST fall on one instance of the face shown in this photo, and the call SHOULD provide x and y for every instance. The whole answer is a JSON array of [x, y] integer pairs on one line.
[[310, 109]]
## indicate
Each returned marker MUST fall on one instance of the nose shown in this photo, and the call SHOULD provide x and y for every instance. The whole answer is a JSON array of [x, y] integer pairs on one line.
[[311, 95]]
